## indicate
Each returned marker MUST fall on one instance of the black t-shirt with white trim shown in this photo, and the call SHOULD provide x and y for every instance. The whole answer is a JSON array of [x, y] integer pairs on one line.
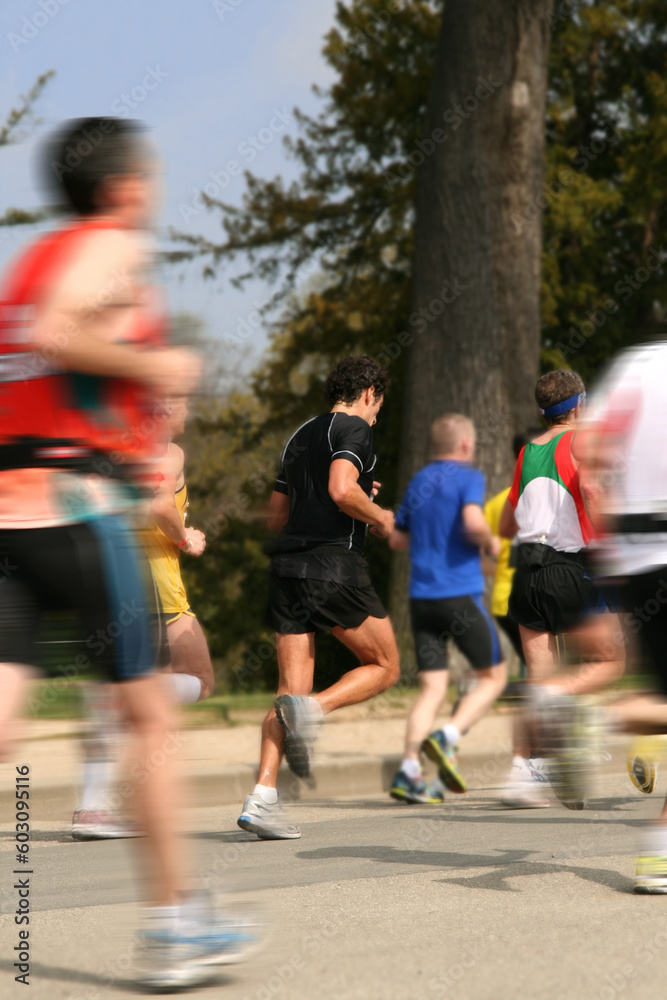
[[314, 519]]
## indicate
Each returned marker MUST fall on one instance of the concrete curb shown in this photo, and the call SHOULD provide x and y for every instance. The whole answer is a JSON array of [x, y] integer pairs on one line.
[[347, 776]]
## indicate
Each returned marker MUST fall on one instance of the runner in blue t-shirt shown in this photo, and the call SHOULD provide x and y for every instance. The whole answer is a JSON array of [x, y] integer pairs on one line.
[[442, 522]]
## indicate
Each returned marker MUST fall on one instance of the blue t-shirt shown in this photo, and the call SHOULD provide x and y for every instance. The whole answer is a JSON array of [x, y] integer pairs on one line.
[[443, 562]]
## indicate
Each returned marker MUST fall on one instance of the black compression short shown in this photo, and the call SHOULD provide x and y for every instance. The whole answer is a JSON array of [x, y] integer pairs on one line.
[[511, 630], [94, 568], [464, 620]]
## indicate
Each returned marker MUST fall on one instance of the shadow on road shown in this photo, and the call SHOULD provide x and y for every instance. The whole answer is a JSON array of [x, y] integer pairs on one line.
[[42, 972], [510, 864]]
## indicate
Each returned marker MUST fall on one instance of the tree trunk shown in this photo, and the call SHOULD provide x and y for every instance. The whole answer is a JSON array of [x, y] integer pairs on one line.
[[478, 239]]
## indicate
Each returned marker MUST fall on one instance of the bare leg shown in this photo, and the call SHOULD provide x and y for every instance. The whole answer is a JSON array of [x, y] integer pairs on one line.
[[148, 712], [432, 693], [540, 654], [296, 664], [372, 641], [599, 642], [521, 745], [646, 714], [189, 652], [601, 646], [14, 679], [374, 644], [490, 684]]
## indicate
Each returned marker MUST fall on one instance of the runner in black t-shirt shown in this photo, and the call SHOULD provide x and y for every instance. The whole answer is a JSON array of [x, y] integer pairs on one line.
[[322, 504]]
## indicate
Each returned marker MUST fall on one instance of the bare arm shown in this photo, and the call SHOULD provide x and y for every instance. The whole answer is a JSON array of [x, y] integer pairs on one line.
[[163, 510], [278, 511], [399, 539], [477, 529], [93, 304], [347, 494], [489, 563], [508, 525], [594, 460]]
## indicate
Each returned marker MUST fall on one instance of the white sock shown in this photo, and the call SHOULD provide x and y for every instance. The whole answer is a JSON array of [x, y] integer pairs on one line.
[[452, 735], [266, 793], [187, 688], [97, 775], [411, 767]]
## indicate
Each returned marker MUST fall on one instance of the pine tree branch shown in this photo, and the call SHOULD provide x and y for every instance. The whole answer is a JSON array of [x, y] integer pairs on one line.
[[8, 132]]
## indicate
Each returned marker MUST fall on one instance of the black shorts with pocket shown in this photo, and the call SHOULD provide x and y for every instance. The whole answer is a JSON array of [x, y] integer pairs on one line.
[[319, 590], [552, 591]]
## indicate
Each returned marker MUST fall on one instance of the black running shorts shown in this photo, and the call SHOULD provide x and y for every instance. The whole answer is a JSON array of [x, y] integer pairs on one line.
[[554, 598], [465, 620], [644, 598], [94, 568], [299, 606]]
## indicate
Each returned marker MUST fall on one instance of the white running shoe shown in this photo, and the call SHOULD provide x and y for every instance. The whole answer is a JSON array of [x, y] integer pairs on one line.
[[266, 820], [90, 825], [525, 785]]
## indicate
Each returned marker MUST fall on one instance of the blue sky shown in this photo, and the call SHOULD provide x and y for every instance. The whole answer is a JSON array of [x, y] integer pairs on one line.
[[223, 78]]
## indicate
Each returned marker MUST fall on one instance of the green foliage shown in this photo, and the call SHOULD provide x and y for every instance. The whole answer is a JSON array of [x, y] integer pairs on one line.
[[343, 219], [230, 468], [338, 246], [351, 226], [10, 132], [603, 268]]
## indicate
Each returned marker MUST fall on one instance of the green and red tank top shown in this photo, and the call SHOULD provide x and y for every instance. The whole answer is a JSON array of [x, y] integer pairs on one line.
[[546, 496]]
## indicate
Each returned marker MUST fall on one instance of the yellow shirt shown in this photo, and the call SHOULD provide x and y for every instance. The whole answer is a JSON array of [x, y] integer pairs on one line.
[[502, 581], [165, 566]]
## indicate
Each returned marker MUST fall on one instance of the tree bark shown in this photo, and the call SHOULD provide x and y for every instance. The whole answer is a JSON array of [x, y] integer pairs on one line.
[[478, 239]]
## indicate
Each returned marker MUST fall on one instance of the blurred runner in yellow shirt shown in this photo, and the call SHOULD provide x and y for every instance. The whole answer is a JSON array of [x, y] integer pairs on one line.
[[503, 575]]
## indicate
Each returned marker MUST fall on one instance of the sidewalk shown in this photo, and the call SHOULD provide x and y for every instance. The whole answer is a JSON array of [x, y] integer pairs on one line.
[[357, 754]]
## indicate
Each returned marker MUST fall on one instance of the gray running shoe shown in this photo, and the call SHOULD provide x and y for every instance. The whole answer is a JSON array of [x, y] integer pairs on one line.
[[301, 717], [266, 820]]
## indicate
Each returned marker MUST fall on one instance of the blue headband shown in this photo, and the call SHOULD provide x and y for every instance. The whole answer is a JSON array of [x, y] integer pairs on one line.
[[567, 404]]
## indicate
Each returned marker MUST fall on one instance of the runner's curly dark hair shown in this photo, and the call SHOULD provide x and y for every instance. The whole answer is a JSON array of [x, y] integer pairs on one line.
[[352, 375], [555, 387]]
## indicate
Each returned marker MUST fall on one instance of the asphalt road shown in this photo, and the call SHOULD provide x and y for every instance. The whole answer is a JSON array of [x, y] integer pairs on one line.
[[377, 900]]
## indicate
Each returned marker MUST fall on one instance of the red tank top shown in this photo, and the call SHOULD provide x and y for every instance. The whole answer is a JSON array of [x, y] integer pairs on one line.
[[56, 418]]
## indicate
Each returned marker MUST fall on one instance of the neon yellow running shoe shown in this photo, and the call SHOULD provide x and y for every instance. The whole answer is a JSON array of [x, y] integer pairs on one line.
[[651, 877], [643, 764], [406, 789], [443, 754]]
